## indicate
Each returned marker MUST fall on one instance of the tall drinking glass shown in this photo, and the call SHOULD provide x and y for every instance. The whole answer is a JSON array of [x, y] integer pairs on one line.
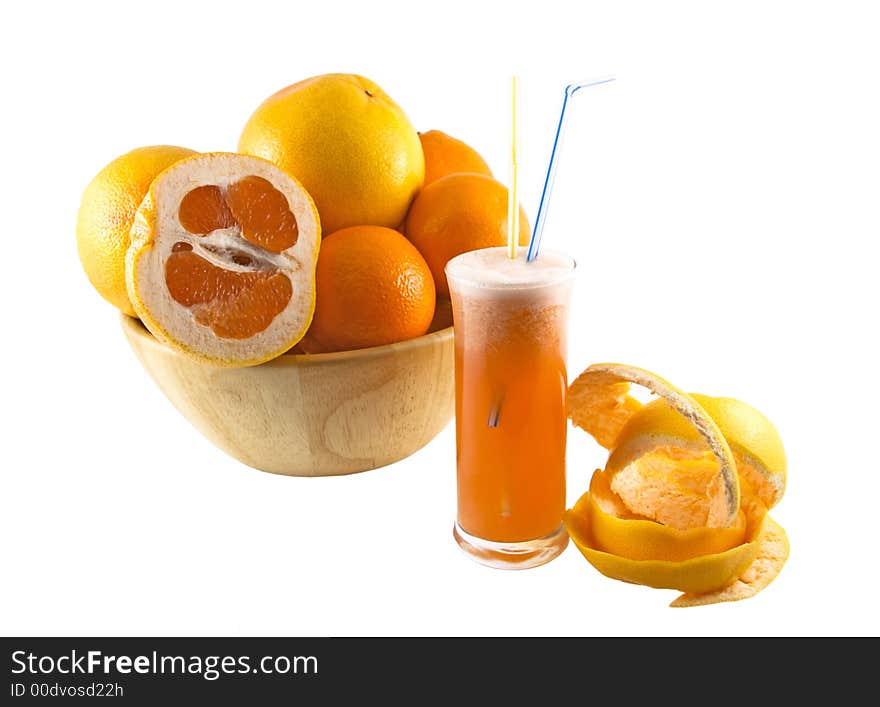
[[510, 382]]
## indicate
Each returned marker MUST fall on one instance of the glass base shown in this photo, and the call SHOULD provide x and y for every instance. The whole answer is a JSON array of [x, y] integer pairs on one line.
[[512, 556]]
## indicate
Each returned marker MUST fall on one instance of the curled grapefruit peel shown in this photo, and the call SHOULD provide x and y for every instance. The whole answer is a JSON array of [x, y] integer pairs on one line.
[[725, 501], [662, 512]]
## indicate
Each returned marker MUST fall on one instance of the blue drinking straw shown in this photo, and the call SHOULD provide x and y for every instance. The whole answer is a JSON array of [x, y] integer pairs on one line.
[[535, 241], [570, 90]]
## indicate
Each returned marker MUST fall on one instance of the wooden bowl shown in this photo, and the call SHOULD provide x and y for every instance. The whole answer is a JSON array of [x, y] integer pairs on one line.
[[312, 415]]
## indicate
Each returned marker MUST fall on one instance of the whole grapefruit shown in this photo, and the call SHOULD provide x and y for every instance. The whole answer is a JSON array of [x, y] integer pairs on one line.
[[347, 142]]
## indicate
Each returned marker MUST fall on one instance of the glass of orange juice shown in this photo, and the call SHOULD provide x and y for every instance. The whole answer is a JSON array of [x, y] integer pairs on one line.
[[510, 321]]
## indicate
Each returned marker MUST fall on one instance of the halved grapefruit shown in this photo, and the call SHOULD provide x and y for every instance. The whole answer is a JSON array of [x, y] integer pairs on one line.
[[222, 259]]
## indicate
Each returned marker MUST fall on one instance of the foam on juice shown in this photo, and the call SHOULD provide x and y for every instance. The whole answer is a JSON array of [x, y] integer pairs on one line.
[[501, 300], [491, 268]]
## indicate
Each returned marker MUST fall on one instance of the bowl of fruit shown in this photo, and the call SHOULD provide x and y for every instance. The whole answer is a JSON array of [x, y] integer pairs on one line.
[[312, 414], [289, 299]]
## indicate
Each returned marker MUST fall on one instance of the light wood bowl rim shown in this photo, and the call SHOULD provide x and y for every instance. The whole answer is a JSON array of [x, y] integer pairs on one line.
[[436, 338]]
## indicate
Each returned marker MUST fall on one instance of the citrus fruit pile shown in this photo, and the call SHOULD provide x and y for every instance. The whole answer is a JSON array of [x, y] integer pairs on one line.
[[682, 502], [328, 230]]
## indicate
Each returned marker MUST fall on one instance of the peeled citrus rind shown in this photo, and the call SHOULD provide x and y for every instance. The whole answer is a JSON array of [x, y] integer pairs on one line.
[[754, 441], [619, 532], [668, 510], [725, 500], [756, 445], [773, 549], [222, 259], [697, 575], [600, 404]]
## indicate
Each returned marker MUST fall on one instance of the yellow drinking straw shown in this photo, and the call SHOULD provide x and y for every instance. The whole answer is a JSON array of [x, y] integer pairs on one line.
[[513, 192]]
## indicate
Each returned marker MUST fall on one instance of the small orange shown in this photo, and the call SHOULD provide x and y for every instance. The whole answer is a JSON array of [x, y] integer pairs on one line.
[[456, 214], [373, 288], [445, 155]]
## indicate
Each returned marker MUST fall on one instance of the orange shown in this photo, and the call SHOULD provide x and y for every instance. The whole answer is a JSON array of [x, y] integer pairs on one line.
[[456, 214], [222, 259], [106, 214], [350, 145], [446, 155], [374, 288]]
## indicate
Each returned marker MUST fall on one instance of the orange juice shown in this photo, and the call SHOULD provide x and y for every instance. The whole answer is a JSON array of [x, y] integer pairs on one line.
[[510, 350]]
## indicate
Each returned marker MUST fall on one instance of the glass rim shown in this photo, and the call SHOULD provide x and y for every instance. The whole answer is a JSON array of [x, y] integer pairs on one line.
[[562, 276]]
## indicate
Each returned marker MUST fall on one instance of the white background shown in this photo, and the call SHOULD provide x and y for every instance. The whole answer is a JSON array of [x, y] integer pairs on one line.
[[722, 200]]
